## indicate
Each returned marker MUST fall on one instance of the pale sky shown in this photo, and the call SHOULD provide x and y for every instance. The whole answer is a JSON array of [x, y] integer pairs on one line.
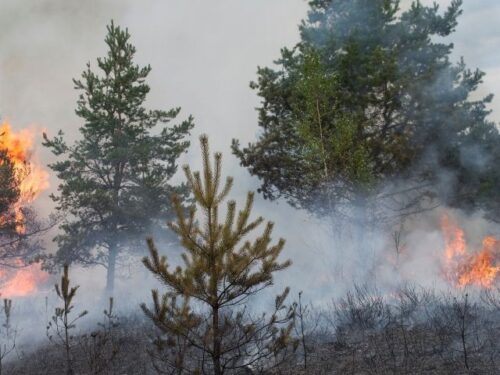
[[203, 54]]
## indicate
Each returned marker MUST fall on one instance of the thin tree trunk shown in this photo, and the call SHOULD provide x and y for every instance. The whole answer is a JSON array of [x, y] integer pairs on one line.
[[69, 367], [361, 227], [110, 276], [302, 330], [463, 336], [216, 341], [322, 141]]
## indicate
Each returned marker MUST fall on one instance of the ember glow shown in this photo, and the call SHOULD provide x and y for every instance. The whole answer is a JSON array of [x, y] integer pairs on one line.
[[22, 279], [462, 267]]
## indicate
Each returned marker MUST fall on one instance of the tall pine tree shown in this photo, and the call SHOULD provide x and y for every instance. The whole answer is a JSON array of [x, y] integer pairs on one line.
[[369, 94], [113, 178]]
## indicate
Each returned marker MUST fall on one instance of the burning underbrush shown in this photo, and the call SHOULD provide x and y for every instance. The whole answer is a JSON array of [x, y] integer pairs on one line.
[[18, 275], [463, 267]]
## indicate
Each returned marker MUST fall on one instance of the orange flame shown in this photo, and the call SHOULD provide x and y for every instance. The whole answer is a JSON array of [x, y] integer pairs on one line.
[[23, 279], [33, 178], [463, 269], [454, 238]]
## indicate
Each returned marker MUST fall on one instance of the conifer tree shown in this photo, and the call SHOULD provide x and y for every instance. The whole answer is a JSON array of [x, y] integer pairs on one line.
[[222, 270], [20, 242], [59, 328], [370, 94], [114, 177]]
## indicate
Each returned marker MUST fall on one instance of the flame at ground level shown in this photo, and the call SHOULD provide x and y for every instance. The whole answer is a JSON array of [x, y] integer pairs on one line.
[[20, 282], [22, 279], [462, 268]]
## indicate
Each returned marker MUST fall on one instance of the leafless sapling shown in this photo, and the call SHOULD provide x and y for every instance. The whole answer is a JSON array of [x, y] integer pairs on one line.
[[8, 334]]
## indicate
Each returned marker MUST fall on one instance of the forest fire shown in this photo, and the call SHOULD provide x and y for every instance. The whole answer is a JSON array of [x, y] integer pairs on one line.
[[462, 268], [33, 178], [21, 279]]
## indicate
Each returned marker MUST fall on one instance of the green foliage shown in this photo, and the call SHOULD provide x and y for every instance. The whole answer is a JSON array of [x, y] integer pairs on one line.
[[368, 95], [329, 136], [221, 271], [114, 176]]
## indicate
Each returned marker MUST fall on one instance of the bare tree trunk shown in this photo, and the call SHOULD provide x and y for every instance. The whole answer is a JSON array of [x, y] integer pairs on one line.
[[360, 229], [216, 341], [302, 330], [110, 276], [322, 141], [463, 333], [67, 347]]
